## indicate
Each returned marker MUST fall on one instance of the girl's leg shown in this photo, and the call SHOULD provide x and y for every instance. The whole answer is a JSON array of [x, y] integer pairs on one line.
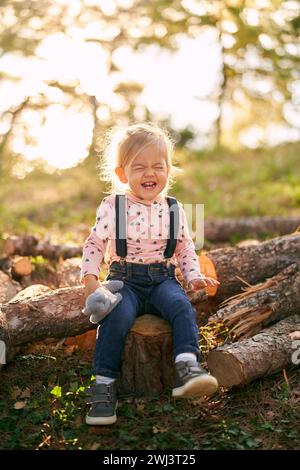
[[175, 307], [190, 378], [112, 333]]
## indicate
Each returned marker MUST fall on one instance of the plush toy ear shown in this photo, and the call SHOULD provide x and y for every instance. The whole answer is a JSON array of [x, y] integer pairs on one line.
[[113, 285]]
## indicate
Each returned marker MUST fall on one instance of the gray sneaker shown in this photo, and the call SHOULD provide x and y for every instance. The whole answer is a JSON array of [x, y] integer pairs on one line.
[[103, 401], [191, 380]]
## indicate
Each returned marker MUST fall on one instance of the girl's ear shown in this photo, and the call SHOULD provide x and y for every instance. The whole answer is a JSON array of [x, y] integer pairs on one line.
[[120, 172]]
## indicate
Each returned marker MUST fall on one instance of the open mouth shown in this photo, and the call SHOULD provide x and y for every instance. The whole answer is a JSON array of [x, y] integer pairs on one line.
[[149, 186]]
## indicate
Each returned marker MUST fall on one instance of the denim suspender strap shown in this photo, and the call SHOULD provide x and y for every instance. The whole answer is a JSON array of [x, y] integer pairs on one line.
[[121, 244], [174, 226]]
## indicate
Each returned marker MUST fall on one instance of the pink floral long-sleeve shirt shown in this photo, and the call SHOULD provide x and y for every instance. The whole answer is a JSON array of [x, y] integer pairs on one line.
[[146, 233]]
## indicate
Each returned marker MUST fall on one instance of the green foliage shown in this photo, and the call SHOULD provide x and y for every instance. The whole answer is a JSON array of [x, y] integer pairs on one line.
[[229, 435], [56, 391]]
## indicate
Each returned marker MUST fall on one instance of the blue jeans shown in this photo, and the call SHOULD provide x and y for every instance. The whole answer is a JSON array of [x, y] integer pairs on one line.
[[148, 288]]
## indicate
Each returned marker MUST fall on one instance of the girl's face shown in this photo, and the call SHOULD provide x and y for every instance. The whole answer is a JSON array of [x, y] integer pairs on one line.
[[147, 174]]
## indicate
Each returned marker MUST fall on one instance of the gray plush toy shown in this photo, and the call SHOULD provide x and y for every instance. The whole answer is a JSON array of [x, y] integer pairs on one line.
[[101, 302]]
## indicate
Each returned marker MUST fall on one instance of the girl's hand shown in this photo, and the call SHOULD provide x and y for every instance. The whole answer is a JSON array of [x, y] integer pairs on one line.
[[201, 283], [91, 283], [295, 335]]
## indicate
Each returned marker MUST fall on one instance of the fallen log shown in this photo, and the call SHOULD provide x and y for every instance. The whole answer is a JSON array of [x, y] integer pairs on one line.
[[226, 229], [237, 267], [248, 313], [39, 315], [265, 353], [29, 245]]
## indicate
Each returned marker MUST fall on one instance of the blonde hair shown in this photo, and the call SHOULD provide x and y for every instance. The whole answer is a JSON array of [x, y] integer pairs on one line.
[[121, 144]]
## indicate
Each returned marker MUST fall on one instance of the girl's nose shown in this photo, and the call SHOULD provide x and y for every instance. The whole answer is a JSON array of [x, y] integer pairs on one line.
[[149, 173]]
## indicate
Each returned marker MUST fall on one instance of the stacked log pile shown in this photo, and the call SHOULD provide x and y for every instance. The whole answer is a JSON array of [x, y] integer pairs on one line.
[[258, 299]]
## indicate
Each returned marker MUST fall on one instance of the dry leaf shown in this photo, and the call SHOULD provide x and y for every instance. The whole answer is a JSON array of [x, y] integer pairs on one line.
[[69, 350], [26, 393], [95, 446], [157, 429], [19, 405]]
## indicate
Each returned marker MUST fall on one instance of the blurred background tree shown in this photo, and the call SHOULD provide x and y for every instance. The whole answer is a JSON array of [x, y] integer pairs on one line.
[[258, 83]]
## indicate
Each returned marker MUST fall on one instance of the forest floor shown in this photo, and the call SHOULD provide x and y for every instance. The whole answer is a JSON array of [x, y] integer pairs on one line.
[[42, 407]]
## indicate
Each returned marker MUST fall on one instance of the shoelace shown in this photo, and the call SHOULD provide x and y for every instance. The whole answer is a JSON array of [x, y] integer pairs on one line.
[[97, 396]]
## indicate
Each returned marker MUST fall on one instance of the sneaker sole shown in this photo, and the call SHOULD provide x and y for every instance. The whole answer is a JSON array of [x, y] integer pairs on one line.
[[101, 420], [199, 386]]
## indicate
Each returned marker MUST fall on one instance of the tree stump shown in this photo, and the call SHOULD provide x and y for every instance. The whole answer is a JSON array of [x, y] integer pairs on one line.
[[147, 364]]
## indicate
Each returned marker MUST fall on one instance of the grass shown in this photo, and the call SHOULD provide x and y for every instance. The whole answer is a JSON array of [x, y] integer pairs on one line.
[[63, 204], [49, 389]]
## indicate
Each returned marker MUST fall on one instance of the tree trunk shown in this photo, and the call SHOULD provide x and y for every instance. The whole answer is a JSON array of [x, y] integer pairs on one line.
[[224, 230], [147, 366], [237, 267], [248, 313], [263, 354]]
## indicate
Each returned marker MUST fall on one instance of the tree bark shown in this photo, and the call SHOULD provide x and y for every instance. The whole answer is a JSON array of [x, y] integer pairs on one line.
[[248, 313], [265, 353], [226, 229], [237, 267]]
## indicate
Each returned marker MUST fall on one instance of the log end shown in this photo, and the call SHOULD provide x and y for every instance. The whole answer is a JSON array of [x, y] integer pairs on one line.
[[226, 368], [150, 325]]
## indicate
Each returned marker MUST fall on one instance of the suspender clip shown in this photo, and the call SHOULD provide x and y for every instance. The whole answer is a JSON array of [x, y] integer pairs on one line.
[[122, 260]]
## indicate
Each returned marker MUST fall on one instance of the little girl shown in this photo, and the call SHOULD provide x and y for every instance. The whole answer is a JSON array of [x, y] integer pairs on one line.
[[142, 234]]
